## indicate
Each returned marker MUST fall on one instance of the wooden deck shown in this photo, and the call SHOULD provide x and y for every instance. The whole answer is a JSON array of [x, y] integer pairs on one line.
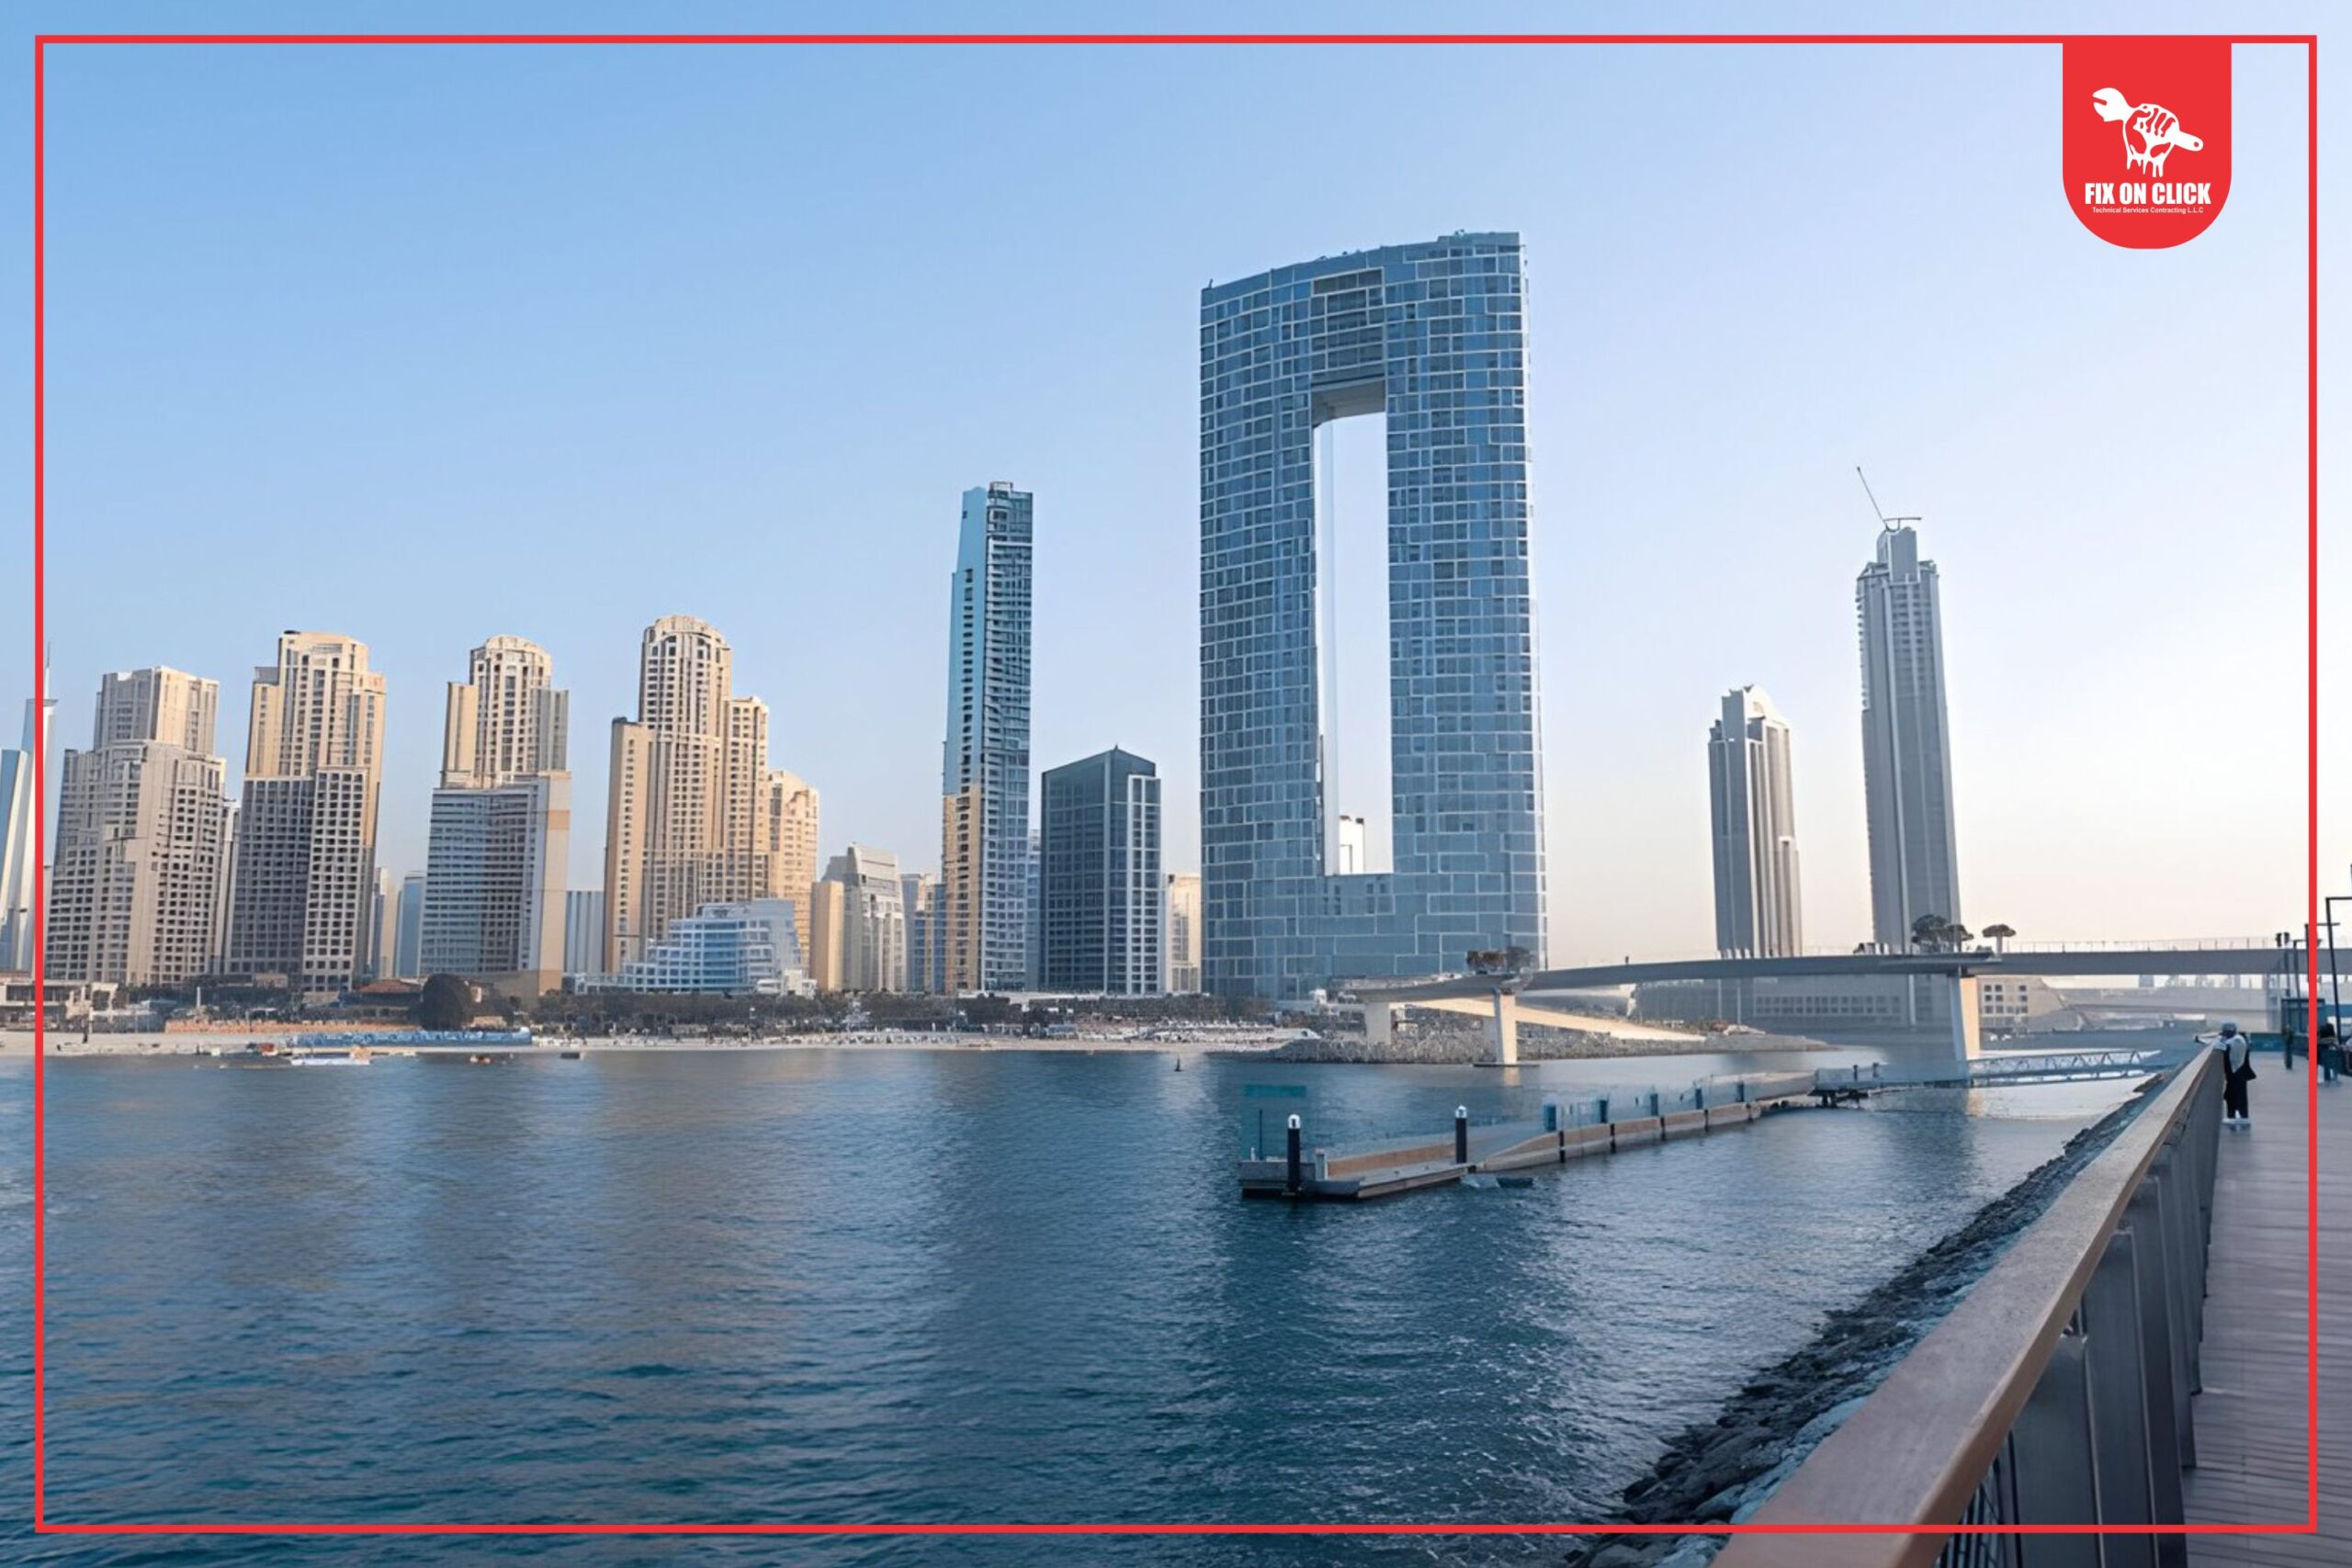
[[2250, 1418]]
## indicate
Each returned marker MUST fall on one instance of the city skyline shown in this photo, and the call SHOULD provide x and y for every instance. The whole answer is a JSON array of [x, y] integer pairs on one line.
[[2190, 853]]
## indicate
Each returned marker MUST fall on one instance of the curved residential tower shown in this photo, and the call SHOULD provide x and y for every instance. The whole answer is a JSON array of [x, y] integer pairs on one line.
[[1430, 338]]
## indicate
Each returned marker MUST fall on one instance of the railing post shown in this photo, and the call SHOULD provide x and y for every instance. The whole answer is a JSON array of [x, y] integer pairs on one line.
[[2168, 1394], [2177, 1202], [2056, 1481], [2110, 1315]]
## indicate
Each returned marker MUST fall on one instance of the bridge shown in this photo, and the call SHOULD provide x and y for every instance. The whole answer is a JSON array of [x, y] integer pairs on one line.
[[1502, 999], [1836, 1085]]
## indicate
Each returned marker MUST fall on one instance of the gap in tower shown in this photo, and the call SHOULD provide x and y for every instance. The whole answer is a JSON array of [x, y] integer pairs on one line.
[[1351, 638]]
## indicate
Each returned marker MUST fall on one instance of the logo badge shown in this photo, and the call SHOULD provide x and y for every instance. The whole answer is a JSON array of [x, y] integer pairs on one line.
[[2147, 136]]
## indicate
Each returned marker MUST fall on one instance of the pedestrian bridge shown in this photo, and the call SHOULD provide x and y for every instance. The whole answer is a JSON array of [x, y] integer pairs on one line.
[[1993, 1071]]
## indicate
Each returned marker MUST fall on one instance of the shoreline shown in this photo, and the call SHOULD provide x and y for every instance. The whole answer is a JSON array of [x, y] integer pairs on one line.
[[14, 1043]]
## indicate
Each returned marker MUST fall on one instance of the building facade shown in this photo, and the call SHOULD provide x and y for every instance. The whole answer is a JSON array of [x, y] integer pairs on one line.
[[792, 841], [501, 829], [383, 925], [1101, 903], [20, 782], [984, 827], [139, 889], [860, 920], [1906, 747], [408, 941], [1750, 790], [306, 841], [584, 931], [919, 898], [1430, 337], [1183, 898], [751, 948], [686, 821]]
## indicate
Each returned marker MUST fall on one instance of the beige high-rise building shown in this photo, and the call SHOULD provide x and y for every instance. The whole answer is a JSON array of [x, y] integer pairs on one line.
[[306, 869], [501, 835], [506, 721], [860, 919], [792, 844], [1184, 932], [138, 888], [687, 822]]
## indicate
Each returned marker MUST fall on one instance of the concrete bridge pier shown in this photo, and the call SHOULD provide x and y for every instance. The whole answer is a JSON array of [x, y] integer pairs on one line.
[[1502, 1032], [1967, 1022]]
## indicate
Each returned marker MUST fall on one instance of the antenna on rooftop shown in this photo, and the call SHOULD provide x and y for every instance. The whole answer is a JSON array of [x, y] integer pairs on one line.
[[1883, 520]]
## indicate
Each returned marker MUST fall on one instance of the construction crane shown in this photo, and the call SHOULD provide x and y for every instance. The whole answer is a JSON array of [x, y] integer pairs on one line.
[[1883, 520]]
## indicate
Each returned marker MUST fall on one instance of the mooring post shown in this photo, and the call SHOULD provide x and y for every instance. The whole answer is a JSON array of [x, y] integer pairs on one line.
[[1462, 1135], [1290, 1177]]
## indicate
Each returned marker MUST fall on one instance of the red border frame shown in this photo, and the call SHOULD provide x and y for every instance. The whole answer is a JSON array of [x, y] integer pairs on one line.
[[43, 1525]]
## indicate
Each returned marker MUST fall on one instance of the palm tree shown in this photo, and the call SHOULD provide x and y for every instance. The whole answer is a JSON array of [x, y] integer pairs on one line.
[[1928, 931]]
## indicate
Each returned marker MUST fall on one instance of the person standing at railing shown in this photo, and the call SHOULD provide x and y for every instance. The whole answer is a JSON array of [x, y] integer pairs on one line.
[[2237, 1071], [2330, 1053]]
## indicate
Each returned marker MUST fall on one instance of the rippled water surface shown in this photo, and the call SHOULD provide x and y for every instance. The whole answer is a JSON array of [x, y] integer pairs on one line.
[[895, 1286]]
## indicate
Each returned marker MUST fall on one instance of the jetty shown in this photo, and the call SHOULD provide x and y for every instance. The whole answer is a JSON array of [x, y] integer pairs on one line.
[[1298, 1170]]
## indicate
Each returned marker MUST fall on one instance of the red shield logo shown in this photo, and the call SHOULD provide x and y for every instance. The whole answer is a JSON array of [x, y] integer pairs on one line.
[[2147, 136]]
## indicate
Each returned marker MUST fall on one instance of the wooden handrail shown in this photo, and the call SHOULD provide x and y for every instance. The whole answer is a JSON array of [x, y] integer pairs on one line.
[[1916, 1450]]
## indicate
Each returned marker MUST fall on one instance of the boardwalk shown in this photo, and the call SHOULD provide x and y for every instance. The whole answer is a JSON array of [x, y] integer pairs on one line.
[[2249, 1420]]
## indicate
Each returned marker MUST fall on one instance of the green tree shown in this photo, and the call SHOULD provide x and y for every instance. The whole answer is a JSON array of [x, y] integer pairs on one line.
[[446, 1002]]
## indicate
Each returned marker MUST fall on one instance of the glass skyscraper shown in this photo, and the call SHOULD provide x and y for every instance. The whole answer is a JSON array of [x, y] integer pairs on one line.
[[984, 818], [1430, 337], [1906, 746], [1102, 902]]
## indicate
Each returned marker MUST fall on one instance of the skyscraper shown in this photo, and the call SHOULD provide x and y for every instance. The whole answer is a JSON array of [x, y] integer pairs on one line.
[[408, 940], [1757, 908], [1184, 932], [860, 922], [20, 770], [584, 931], [306, 838], [507, 719], [1906, 749], [383, 925], [687, 823], [501, 831], [792, 843], [1432, 338], [1101, 904], [919, 898], [984, 830], [139, 892]]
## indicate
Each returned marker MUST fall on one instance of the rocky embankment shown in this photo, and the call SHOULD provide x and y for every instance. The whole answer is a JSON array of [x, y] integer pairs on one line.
[[1720, 1471]]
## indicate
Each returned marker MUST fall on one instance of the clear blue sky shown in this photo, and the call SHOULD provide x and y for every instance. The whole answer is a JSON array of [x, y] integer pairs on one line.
[[424, 345]]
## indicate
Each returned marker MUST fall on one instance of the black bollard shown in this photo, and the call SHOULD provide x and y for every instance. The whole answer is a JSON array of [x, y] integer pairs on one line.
[[1291, 1177], [1462, 1135]]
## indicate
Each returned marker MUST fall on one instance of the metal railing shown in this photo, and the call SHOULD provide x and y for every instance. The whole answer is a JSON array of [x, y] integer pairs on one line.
[[2056, 1391], [1991, 1071]]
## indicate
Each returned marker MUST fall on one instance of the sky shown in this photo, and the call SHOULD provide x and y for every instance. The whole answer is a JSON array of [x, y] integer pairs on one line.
[[429, 343]]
